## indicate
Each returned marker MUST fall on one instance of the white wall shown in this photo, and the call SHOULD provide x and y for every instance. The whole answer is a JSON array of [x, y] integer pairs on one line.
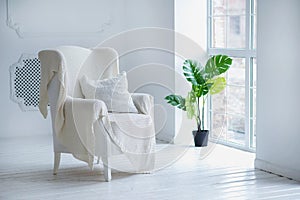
[[41, 31], [278, 93], [155, 63], [190, 43]]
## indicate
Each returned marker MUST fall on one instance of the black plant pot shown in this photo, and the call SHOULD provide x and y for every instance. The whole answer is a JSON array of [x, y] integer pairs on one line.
[[201, 138]]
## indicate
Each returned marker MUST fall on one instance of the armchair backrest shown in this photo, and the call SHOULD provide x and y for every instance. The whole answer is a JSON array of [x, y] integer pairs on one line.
[[97, 63]]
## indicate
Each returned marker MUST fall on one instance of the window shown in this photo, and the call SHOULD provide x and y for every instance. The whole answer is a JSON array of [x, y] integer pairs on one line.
[[235, 24], [232, 31]]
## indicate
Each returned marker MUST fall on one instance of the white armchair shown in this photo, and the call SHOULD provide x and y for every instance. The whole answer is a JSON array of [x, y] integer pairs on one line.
[[84, 127]]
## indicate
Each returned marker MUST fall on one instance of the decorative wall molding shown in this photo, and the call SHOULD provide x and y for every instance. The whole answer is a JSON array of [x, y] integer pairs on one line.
[[25, 82], [56, 18]]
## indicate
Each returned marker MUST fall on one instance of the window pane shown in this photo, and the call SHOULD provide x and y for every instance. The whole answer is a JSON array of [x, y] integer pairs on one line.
[[253, 142], [219, 32], [219, 7], [229, 7], [231, 100], [254, 31], [236, 37], [236, 73], [219, 103], [219, 126], [254, 103], [254, 134], [236, 129], [254, 72], [235, 100], [236, 7]]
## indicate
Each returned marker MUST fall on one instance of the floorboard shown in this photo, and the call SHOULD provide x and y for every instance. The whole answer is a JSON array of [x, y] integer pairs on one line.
[[225, 173]]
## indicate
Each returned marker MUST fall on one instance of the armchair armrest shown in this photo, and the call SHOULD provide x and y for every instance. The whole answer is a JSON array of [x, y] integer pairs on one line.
[[80, 117], [87, 108], [143, 102]]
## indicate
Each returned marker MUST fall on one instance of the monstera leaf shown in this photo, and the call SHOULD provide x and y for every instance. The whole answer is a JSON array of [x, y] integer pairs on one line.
[[191, 105], [201, 90], [216, 65], [176, 100], [192, 72], [218, 85]]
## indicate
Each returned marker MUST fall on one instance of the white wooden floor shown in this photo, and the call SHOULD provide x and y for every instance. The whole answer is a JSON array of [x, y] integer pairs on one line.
[[26, 173]]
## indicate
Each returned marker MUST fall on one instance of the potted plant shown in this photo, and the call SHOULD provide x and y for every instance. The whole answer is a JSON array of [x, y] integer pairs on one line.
[[205, 81]]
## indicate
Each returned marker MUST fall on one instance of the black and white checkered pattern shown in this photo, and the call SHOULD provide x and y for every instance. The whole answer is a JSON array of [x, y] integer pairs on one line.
[[27, 81]]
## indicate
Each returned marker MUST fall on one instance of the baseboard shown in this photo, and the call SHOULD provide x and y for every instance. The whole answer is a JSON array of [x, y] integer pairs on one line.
[[277, 169]]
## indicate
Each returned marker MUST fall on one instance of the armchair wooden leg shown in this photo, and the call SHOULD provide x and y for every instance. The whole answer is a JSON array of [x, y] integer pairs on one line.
[[106, 158], [56, 162], [107, 170]]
